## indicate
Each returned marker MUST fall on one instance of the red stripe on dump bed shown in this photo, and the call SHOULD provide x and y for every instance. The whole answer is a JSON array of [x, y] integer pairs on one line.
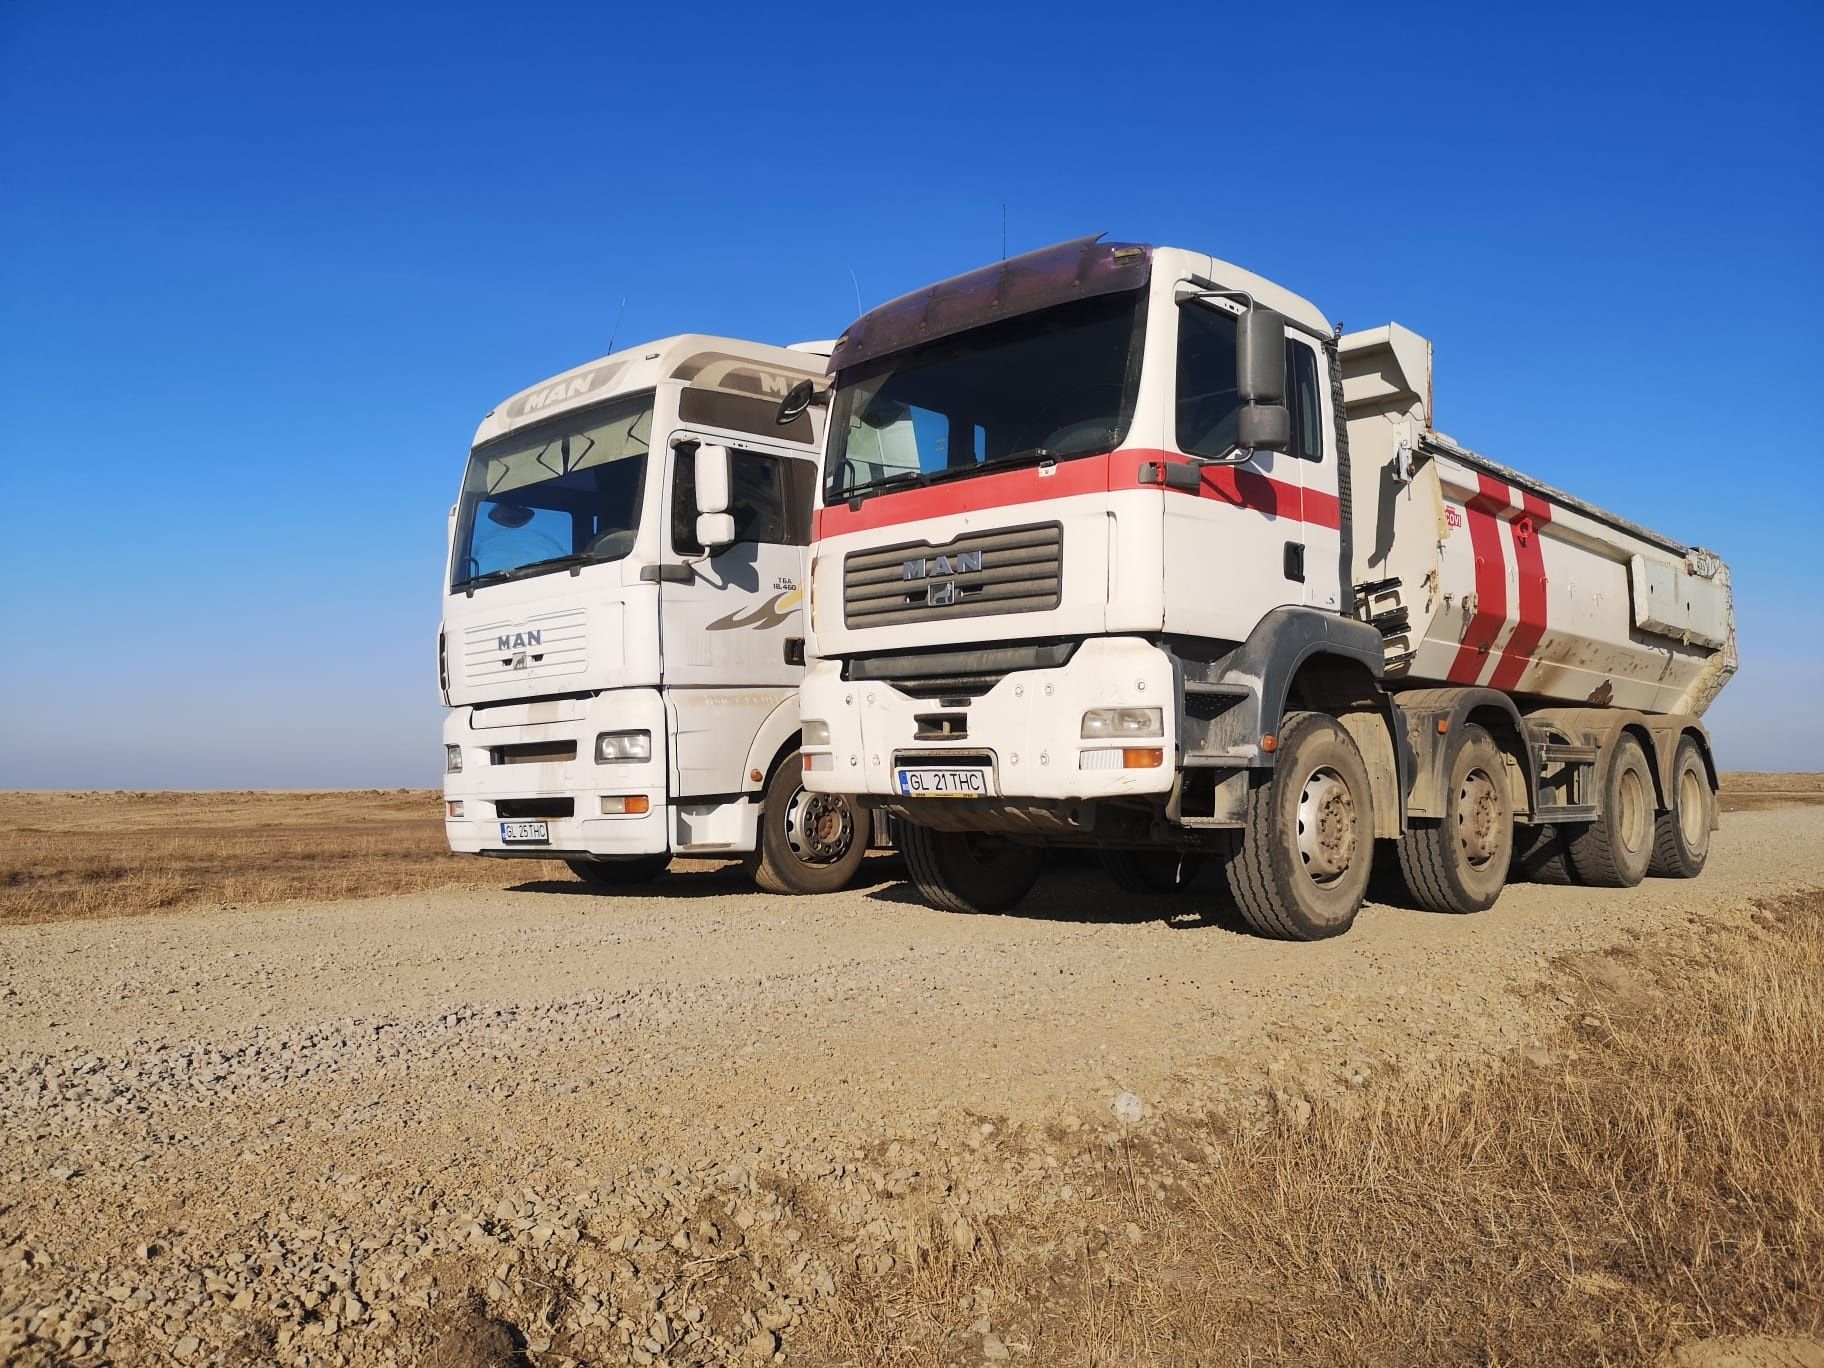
[[1116, 470], [1529, 560], [1491, 580]]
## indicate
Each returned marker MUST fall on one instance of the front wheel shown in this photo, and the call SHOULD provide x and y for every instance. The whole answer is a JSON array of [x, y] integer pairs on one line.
[[809, 842], [968, 871], [610, 874], [1307, 840]]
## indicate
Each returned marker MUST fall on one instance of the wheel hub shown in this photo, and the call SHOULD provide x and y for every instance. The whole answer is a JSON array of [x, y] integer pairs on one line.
[[1479, 818], [1327, 836], [818, 827]]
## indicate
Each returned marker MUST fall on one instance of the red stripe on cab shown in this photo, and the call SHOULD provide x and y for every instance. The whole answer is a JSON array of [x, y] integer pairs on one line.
[[1116, 470]]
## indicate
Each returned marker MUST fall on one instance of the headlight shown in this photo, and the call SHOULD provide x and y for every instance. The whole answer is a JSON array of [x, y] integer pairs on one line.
[[1102, 724], [815, 733], [452, 759], [623, 747]]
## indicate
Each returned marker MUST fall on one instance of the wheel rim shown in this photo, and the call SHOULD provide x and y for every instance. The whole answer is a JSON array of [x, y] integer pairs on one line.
[[1691, 807], [1631, 819], [818, 827], [1326, 827], [1479, 818]]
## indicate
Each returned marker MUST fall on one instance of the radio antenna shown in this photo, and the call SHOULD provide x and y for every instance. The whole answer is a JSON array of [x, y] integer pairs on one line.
[[1003, 230], [859, 311], [617, 325]]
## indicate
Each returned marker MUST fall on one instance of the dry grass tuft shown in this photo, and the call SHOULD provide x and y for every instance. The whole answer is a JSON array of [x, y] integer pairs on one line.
[[1658, 1179]]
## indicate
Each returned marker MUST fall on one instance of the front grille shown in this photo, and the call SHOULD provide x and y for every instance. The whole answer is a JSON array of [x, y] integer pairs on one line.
[[531, 809], [1008, 570], [540, 646]]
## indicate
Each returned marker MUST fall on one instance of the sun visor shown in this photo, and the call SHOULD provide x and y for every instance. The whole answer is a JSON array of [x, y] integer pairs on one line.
[[1052, 275]]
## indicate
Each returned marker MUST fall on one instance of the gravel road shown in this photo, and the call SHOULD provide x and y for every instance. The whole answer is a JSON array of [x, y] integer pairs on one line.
[[663, 1127]]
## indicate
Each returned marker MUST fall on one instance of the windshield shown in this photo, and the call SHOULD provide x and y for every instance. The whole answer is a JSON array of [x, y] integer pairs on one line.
[[1051, 384], [564, 493]]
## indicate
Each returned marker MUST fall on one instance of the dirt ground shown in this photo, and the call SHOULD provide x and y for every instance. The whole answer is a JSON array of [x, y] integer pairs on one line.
[[692, 1124]]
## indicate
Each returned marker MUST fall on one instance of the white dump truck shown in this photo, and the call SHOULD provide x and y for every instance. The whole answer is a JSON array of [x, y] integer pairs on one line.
[[621, 642], [1127, 547]]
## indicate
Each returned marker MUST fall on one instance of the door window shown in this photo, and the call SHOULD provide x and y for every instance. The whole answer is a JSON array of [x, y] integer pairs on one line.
[[769, 499], [1209, 406]]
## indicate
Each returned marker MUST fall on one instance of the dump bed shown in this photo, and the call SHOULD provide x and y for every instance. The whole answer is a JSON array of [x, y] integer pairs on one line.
[[1477, 574]]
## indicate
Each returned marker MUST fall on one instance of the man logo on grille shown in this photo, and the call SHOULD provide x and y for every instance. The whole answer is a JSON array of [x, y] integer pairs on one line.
[[943, 592]]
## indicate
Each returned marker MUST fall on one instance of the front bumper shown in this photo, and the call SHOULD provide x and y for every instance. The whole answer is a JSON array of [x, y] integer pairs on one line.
[[1028, 727], [566, 794]]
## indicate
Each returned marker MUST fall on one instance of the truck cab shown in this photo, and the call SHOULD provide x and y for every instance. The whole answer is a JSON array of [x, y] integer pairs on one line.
[[622, 635]]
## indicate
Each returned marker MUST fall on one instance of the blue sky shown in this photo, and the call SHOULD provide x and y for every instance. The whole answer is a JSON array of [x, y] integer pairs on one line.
[[262, 268]]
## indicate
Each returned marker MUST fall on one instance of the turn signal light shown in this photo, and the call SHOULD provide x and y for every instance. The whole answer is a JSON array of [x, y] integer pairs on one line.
[[1136, 758], [633, 805], [455, 808]]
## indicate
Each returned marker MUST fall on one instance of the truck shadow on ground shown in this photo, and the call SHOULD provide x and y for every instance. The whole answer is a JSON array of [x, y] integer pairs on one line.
[[1086, 896]]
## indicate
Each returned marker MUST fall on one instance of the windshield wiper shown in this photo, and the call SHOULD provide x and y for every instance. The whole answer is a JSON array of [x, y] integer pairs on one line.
[[521, 571], [882, 482]]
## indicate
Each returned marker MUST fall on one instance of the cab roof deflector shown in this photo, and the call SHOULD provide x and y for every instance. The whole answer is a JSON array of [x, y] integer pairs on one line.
[[1081, 269]]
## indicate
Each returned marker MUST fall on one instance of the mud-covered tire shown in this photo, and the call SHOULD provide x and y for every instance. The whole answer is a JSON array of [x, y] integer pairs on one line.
[[1542, 855], [1681, 834], [1149, 873], [968, 871], [1307, 840], [808, 842], [1613, 851], [611, 875], [1460, 864]]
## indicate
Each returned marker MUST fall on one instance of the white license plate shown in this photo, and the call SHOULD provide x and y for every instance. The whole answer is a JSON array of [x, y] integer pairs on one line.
[[525, 831], [941, 783]]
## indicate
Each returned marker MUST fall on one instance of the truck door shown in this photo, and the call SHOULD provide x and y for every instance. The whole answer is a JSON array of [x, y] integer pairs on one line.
[[723, 632], [1315, 548]]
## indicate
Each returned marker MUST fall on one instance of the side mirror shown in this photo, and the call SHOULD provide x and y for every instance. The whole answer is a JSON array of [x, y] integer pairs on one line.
[[715, 530], [1264, 427], [712, 482], [1260, 356], [800, 397]]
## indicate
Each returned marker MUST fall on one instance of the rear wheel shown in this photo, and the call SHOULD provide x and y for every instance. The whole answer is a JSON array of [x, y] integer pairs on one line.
[[1460, 864], [968, 871], [1148, 872], [809, 842], [1613, 851], [1542, 856], [620, 871], [1307, 843], [1681, 836]]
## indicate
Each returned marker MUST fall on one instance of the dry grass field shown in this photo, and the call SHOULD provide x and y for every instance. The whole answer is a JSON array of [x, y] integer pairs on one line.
[[72, 855], [1646, 1188]]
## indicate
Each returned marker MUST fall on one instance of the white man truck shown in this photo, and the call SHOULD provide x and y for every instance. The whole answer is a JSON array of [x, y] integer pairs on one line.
[[1127, 547], [621, 641]]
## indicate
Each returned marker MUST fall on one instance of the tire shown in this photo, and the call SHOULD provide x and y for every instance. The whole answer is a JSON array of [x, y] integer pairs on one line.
[[809, 842], [1541, 856], [1681, 835], [621, 871], [1314, 812], [1460, 864], [968, 871], [1149, 873], [1613, 851]]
